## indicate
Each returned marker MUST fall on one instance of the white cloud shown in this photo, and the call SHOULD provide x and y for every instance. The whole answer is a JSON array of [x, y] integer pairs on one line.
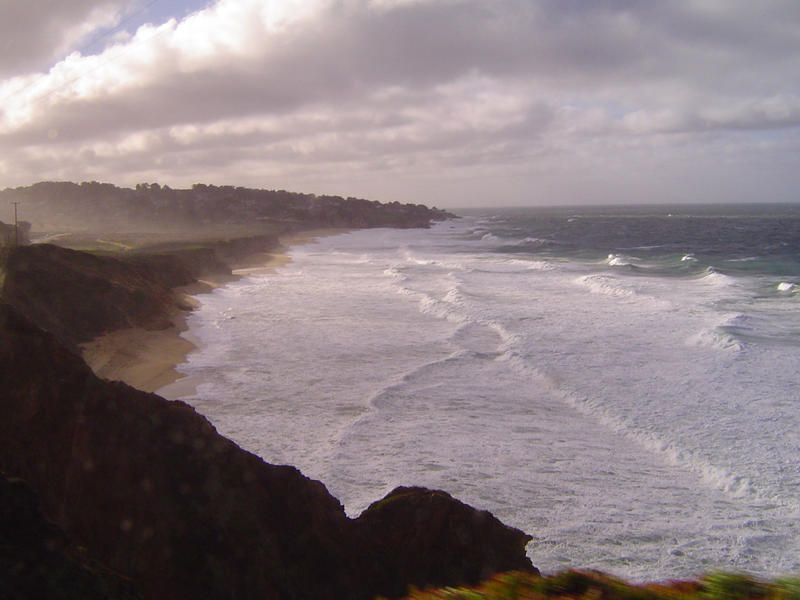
[[320, 91], [34, 33]]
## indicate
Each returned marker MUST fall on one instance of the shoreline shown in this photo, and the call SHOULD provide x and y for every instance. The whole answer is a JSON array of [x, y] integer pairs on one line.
[[148, 360]]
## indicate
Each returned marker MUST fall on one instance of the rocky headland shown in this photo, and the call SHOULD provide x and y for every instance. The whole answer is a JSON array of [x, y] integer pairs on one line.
[[60, 205], [131, 495]]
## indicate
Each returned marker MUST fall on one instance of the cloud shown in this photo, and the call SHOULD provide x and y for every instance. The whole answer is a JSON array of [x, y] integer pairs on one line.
[[33, 34], [395, 92]]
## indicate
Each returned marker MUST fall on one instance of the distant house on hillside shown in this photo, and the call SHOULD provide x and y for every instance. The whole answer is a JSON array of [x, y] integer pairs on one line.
[[8, 233]]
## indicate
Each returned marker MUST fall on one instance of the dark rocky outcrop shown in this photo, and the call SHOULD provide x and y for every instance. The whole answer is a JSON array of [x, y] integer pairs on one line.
[[36, 560], [425, 537], [15, 235], [77, 295], [151, 490]]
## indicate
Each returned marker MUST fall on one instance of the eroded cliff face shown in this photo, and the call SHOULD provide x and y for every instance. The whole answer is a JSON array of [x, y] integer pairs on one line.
[[153, 490], [77, 295], [150, 488], [425, 537], [36, 560]]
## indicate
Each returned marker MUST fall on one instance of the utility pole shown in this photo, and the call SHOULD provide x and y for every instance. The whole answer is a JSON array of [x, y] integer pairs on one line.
[[16, 226]]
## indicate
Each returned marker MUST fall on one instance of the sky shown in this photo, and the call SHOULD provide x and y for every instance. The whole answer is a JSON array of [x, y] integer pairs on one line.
[[452, 103]]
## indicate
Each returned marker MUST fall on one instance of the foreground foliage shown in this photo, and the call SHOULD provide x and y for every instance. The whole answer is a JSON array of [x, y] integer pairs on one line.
[[590, 585]]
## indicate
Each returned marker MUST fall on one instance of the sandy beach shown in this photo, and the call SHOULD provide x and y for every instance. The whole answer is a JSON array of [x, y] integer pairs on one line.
[[146, 359]]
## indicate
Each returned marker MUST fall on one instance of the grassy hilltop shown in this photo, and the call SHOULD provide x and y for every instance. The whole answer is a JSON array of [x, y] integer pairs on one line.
[[592, 585]]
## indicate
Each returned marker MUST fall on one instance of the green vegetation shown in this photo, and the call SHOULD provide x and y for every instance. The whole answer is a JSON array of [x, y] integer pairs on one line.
[[591, 585], [58, 207]]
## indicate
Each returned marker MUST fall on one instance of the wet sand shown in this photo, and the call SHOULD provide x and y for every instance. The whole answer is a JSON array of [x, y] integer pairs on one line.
[[147, 360]]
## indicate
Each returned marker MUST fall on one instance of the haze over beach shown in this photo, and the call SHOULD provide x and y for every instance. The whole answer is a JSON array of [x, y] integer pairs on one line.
[[452, 103]]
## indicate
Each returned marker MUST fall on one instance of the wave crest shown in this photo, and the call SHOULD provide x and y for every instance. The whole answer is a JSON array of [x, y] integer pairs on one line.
[[713, 277], [721, 478], [606, 285], [620, 260], [719, 336]]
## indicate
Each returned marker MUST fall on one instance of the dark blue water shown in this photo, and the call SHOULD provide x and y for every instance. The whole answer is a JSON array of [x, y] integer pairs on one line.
[[748, 239]]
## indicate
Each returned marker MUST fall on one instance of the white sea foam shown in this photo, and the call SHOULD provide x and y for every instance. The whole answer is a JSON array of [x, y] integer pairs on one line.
[[528, 242], [719, 335], [713, 277], [606, 285], [712, 337], [539, 265], [717, 477], [733, 484], [395, 273], [607, 424], [730, 483], [409, 257], [454, 296], [513, 265], [620, 260]]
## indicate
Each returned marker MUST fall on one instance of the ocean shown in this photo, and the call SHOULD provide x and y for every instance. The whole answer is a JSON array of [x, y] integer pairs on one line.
[[620, 383]]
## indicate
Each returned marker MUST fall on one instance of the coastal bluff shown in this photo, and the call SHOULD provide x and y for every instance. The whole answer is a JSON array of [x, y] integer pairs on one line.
[[148, 490], [63, 205]]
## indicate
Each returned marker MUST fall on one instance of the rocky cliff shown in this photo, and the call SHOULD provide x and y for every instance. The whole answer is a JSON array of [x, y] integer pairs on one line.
[[36, 560], [78, 295], [151, 490], [425, 537]]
